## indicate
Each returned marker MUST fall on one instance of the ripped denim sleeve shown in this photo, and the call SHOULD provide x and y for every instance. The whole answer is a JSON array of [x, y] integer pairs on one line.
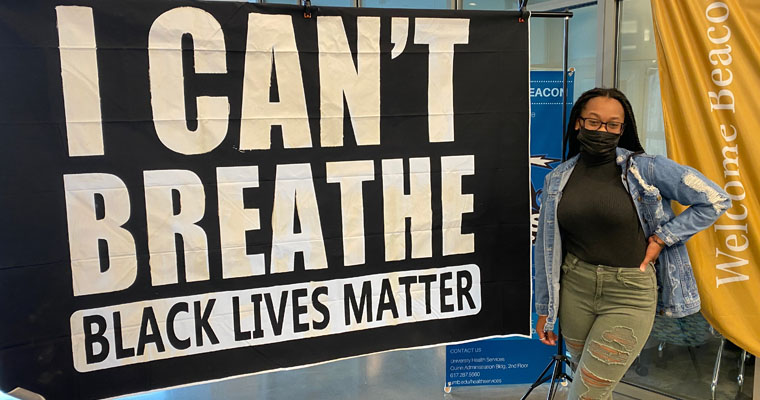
[[706, 201]]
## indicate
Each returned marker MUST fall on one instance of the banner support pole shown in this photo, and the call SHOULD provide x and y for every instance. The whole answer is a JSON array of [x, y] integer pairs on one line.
[[566, 39]]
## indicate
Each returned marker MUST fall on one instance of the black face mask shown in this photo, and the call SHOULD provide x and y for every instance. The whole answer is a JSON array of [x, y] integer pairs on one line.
[[597, 146]]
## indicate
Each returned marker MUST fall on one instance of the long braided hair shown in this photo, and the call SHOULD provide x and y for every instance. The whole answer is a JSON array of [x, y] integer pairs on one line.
[[629, 138]]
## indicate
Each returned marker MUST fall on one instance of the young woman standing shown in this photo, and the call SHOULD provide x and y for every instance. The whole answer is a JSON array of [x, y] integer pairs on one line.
[[609, 250]]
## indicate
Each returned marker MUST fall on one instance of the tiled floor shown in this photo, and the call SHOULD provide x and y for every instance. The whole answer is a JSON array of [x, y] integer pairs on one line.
[[419, 374]]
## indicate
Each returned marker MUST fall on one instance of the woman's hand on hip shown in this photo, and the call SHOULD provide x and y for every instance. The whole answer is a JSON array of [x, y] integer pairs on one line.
[[654, 247], [548, 338]]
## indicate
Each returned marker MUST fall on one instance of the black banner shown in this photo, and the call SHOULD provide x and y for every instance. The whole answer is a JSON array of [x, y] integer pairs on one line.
[[197, 190]]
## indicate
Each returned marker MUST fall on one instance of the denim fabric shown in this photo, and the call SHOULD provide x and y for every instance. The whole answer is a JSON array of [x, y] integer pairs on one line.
[[652, 181], [606, 315]]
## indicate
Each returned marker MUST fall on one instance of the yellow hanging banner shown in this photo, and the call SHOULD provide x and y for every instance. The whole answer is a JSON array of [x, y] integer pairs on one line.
[[709, 63]]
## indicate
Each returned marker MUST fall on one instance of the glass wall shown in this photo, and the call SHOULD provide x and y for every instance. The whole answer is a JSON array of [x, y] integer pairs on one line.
[[333, 3], [547, 41], [495, 5], [426, 4], [583, 45], [637, 72], [547, 37]]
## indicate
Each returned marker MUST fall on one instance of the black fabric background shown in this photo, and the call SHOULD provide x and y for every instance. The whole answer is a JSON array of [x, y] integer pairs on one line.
[[36, 298]]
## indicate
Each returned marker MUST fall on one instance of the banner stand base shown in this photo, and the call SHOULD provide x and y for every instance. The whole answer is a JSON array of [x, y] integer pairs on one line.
[[559, 361]]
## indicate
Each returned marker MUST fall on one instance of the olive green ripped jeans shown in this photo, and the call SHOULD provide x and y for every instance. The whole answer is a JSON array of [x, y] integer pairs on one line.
[[606, 314]]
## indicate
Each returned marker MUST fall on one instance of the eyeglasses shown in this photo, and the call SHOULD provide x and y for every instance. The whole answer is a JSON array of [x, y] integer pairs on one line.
[[595, 125]]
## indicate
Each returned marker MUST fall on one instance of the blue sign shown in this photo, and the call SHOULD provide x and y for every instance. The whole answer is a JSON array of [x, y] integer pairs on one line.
[[520, 359]]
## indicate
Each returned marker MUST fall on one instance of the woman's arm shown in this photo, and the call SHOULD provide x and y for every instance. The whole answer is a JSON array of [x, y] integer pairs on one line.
[[541, 286], [706, 200]]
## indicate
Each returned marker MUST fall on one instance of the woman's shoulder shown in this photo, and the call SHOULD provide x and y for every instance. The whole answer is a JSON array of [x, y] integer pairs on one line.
[[660, 167], [567, 164], [646, 158], [660, 160]]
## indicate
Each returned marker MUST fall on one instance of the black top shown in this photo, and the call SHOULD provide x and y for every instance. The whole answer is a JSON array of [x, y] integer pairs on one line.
[[597, 217]]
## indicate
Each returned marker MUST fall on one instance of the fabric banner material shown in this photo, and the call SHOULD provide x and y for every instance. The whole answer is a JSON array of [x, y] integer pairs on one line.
[[708, 53], [198, 190]]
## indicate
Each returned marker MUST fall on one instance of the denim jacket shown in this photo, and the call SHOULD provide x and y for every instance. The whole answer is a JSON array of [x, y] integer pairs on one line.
[[652, 181]]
